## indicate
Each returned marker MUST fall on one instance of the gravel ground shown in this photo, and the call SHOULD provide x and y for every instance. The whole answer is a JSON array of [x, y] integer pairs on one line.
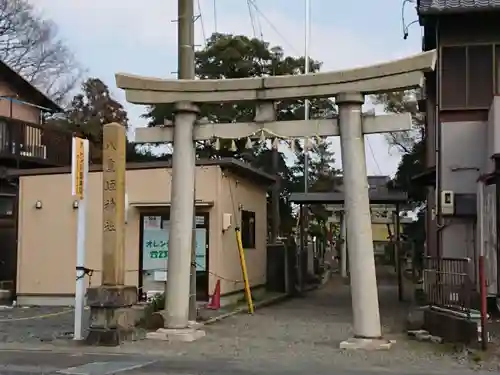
[[33, 325], [306, 332], [302, 333]]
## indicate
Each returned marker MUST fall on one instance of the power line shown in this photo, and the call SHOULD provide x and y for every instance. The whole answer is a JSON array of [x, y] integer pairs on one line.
[[373, 155], [275, 29], [259, 24], [200, 16], [252, 20]]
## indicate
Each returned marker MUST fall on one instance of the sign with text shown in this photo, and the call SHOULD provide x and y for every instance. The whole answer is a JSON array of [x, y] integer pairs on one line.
[[152, 222], [78, 160], [155, 249], [113, 203]]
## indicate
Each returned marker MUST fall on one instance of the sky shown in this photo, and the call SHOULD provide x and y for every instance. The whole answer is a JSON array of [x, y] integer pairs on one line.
[[140, 37]]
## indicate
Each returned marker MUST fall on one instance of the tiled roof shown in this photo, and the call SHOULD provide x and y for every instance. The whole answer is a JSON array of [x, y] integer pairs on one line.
[[432, 6]]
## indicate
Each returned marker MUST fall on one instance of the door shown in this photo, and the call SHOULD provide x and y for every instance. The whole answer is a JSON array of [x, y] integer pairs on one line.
[[154, 237], [8, 241], [202, 265]]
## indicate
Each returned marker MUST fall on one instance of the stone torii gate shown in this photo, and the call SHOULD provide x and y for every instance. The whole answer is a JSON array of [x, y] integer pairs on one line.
[[348, 87]]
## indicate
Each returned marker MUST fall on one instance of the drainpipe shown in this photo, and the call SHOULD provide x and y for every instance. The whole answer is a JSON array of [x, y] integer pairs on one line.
[[497, 220], [480, 228]]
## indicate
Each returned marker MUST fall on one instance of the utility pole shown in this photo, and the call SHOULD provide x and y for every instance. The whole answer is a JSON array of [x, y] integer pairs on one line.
[[187, 71], [306, 102], [304, 246], [177, 289]]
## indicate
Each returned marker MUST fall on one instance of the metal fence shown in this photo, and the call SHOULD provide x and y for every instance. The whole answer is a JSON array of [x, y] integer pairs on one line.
[[448, 283]]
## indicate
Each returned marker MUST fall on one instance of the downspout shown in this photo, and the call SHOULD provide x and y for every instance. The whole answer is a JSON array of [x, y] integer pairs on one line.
[[497, 221], [479, 249], [437, 136], [496, 181], [17, 200]]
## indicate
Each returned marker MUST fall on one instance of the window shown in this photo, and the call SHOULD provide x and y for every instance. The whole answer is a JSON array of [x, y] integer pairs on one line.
[[480, 76], [467, 78], [248, 229], [6, 206]]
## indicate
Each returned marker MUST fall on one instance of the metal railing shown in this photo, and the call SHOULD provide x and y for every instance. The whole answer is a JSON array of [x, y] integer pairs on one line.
[[33, 142], [448, 283]]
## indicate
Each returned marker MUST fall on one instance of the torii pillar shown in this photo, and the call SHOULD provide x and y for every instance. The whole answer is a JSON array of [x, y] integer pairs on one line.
[[364, 291]]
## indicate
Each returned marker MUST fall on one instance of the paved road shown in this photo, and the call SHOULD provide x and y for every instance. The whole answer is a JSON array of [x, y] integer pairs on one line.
[[29, 362]]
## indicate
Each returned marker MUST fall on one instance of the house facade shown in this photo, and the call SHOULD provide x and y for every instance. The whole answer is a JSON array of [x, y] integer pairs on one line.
[[229, 193], [25, 142], [462, 123]]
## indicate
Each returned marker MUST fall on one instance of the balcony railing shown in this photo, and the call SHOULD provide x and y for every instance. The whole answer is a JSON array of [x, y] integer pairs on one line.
[[34, 144]]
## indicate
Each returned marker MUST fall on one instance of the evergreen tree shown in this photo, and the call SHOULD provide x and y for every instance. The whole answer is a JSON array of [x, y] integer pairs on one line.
[[89, 111]]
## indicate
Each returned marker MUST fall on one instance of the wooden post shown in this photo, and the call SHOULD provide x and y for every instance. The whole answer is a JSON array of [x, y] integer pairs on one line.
[[113, 195]]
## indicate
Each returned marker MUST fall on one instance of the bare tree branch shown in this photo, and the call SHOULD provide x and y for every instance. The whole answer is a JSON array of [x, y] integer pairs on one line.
[[403, 102], [30, 45]]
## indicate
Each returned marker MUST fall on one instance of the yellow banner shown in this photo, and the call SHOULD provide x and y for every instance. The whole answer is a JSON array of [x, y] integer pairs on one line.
[[79, 158]]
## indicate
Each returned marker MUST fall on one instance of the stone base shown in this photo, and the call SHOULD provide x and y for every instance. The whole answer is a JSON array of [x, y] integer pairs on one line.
[[113, 314], [108, 337], [177, 335], [112, 296], [365, 344]]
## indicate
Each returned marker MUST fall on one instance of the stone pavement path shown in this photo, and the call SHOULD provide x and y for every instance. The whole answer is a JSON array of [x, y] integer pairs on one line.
[[300, 335]]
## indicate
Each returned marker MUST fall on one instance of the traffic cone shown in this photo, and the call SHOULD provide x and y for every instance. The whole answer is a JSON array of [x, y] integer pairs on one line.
[[214, 303]]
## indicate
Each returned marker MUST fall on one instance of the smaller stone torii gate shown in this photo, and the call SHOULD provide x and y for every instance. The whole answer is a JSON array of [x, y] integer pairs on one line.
[[348, 87], [391, 197]]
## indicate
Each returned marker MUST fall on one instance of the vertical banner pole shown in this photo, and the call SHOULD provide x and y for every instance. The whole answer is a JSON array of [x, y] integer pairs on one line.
[[79, 174]]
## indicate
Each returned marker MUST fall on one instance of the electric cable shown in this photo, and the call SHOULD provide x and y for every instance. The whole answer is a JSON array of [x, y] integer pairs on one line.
[[373, 156], [202, 23], [275, 29]]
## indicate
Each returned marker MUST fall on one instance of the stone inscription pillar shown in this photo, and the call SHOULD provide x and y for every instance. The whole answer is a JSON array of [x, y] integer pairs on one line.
[[111, 318], [113, 208]]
